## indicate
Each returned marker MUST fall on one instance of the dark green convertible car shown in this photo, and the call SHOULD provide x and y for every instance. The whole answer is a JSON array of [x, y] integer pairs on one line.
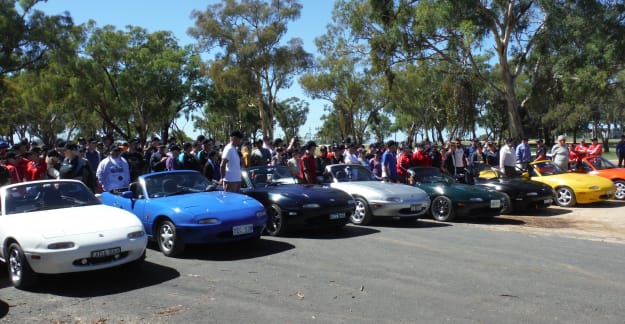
[[451, 200]]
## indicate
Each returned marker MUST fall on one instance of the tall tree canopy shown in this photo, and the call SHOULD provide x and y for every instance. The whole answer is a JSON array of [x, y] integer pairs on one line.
[[249, 34]]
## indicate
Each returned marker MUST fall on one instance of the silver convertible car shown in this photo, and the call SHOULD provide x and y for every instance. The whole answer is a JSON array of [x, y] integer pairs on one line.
[[374, 197]]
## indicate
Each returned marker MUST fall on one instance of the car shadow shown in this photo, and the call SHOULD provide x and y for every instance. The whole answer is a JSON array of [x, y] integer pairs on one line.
[[4, 309], [345, 232], [102, 282], [408, 223], [603, 204], [233, 251], [542, 212]]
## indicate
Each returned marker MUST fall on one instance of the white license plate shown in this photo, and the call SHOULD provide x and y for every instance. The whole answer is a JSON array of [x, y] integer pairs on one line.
[[106, 252], [495, 203], [337, 215], [548, 201], [242, 229], [414, 208]]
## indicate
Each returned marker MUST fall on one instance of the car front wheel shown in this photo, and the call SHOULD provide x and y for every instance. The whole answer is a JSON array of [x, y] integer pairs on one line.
[[168, 240], [362, 214], [565, 197], [620, 189], [276, 223], [442, 209], [20, 273], [506, 207]]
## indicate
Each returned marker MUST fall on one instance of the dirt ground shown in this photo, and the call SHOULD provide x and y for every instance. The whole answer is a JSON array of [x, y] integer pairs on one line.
[[603, 221]]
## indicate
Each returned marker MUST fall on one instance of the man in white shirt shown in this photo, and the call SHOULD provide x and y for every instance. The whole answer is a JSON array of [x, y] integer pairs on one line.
[[113, 172], [507, 159], [230, 167]]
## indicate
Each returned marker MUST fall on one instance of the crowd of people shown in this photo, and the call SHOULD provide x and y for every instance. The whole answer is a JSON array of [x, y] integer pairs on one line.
[[104, 165]]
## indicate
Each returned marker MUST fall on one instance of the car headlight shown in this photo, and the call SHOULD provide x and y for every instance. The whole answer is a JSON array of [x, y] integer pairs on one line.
[[394, 199], [311, 205], [211, 220], [61, 245], [594, 188], [477, 199], [137, 234], [261, 213], [532, 194]]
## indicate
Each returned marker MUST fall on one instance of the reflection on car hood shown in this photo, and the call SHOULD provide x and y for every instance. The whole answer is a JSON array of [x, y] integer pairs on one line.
[[380, 189], [75, 221], [201, 203], [576, 179], [313, 192]]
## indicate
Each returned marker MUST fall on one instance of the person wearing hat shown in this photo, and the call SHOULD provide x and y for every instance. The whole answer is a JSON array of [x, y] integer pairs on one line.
[[307, 167], [523, 154], [595, 149], [114, 172], [158, 158], [230, 167], [560, 154], [541, 150], [620, 151]]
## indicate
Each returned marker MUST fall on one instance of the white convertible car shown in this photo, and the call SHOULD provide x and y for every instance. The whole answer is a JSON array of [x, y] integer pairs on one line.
[[59, 226]]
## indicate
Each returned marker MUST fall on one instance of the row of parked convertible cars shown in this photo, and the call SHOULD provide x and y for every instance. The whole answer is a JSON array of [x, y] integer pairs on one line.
[[59, 226]]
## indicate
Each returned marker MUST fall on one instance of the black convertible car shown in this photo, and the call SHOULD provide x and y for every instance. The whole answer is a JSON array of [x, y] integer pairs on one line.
[[291, 204], [520, 194]]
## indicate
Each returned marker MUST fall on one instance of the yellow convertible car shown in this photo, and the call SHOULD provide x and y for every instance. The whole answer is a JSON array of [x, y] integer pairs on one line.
[[571, 188]]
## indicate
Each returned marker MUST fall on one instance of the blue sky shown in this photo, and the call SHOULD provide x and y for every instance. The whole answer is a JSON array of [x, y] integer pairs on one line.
[[174, 16]]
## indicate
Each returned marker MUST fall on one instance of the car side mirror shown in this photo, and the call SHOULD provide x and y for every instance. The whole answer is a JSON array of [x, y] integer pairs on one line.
[[127, 194]]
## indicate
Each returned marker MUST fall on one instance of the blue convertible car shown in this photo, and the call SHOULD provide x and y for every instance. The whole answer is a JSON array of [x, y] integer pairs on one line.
[[179, 207]]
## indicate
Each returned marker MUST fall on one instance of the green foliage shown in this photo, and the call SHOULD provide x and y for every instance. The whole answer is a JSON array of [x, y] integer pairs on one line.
[[291, 115]]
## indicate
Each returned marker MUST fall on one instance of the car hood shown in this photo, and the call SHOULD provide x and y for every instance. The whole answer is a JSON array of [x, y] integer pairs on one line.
[[202, 203], [575, 180], [378, 189], [75, 221], [459, 190], [307, 191]]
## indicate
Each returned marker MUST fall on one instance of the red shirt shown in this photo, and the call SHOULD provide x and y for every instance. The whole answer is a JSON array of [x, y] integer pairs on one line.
[[403, 163], [595, 150], [15, 177], [307, 165], [421, 159], [36, 170]]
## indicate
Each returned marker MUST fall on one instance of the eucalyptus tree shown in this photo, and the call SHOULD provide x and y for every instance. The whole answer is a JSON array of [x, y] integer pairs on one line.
[[458, 32], [250, 35], [137, 82], [291, 115]]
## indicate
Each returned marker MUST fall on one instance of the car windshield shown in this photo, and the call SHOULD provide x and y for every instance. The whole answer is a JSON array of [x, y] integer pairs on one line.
[[36, 196], [175, 183], [270, 176], [600, 163], [351, 172], [429, 175], [545, 168]]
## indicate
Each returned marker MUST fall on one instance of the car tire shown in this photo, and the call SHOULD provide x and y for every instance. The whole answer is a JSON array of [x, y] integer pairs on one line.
[[442, 209], [620, 189], [506, 207], [362, 213], [276, 223], [565, 197], [167, 239], [20, 273]]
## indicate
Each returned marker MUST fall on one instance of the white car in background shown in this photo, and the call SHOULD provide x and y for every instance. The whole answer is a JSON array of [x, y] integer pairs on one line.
[[59, 226]]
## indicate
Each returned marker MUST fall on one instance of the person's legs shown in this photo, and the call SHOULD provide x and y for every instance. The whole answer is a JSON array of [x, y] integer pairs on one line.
[[234, 186]]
